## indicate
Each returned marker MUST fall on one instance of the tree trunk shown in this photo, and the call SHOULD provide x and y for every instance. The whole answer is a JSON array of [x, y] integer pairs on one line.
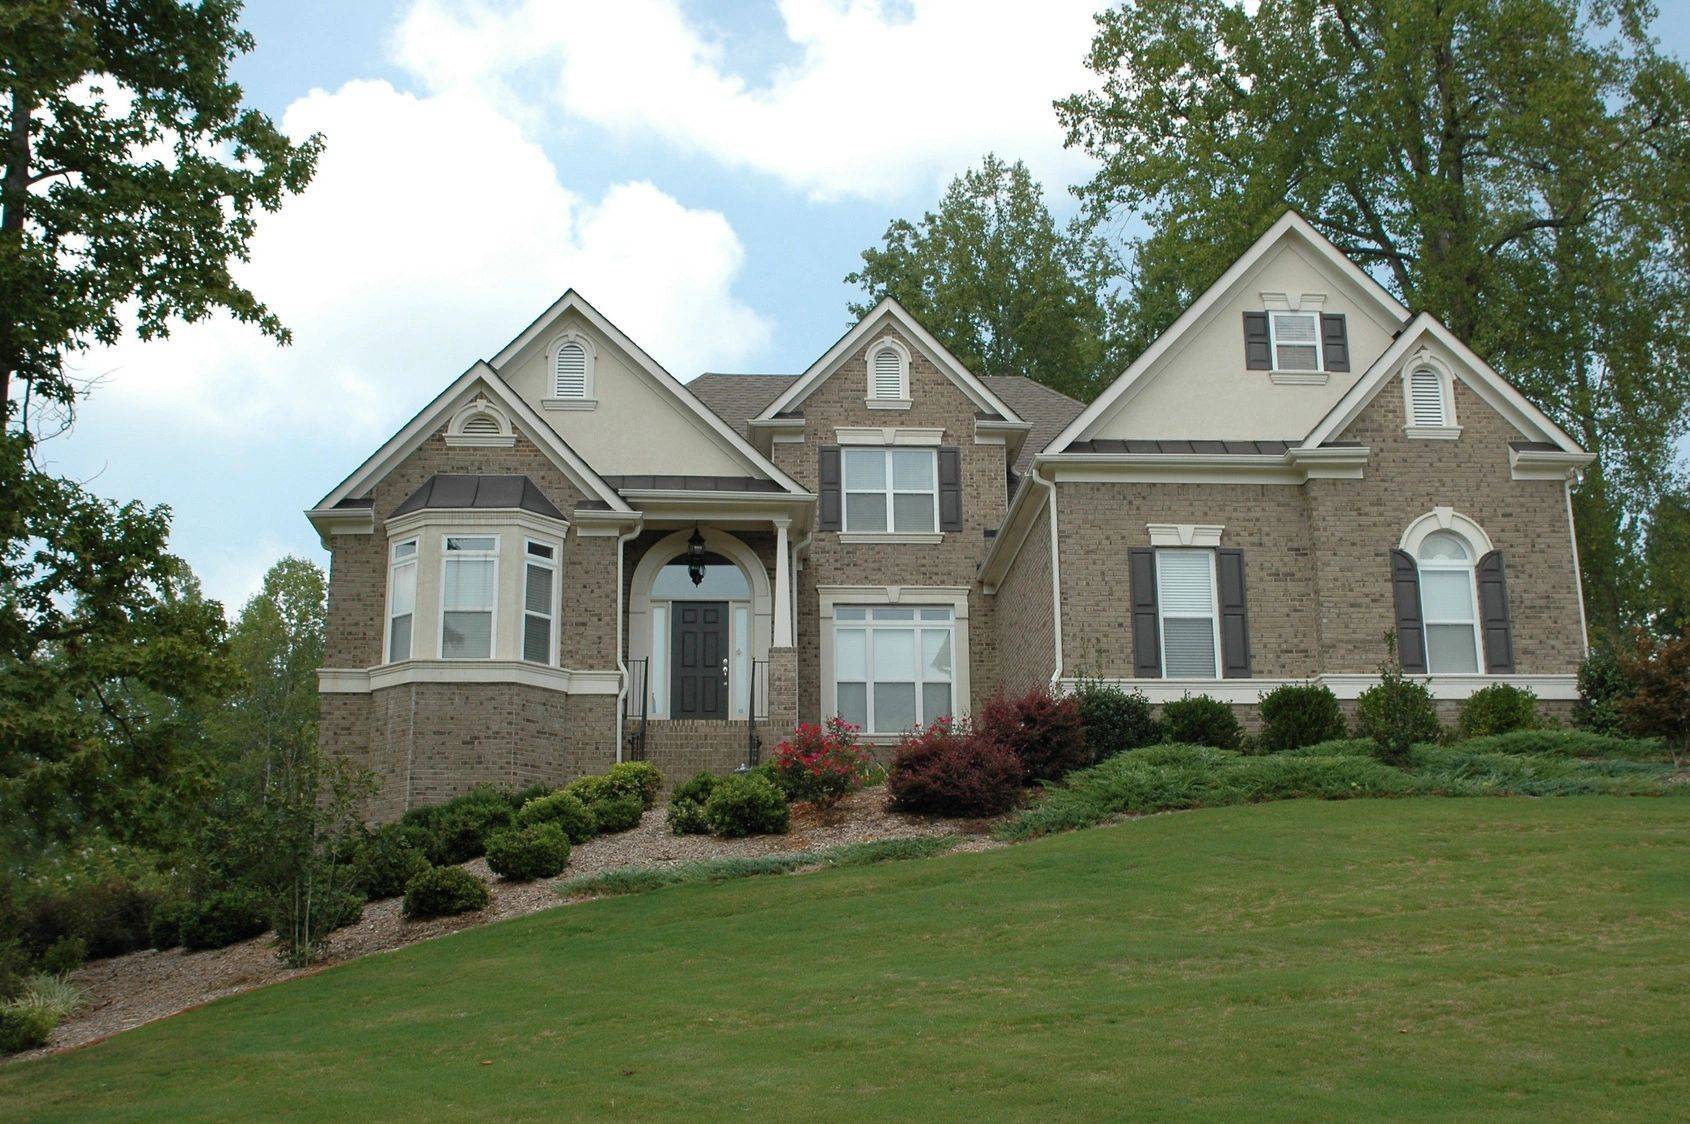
[[14, 194]]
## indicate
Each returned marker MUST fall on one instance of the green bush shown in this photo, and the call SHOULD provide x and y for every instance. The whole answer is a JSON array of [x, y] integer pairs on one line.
[[590, 790], [1602, 685], [518, 799], [617, 813], [300, 938], [686, 805], [1114, 720], [742, 805], [563, 809], [103, 895], [636, 778], [1299, 714], [387, 859], [697, 789], [224, 918], [522, 854], [64, 956], [461, 832], [1396, 715], [1201, 720], [444, 891], [1498, 709], [24, 1027]]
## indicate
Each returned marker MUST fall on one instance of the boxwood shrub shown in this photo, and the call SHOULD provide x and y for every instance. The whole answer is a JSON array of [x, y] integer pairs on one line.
[[743, 804], [387, 859], [223, 918], [1114, 720], [522, 854], [563, 809], [686, 805], [24, 1027], [1500, 708], [616, 813], [1299, 714], [443, 891], [1201, 720], [636, 778]]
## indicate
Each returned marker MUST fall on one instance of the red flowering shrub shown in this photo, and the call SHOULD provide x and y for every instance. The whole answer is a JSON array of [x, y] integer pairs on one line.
[[821, 764], [1041, 728], [948, 769]]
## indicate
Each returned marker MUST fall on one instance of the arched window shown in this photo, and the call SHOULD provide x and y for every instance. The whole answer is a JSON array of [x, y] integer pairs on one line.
[[572, 373], [1448, 603], [888, 373]]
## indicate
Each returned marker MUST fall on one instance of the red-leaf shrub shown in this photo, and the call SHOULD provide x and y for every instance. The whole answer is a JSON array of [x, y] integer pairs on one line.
[[821, 764], [1041, 728], [949, 770]]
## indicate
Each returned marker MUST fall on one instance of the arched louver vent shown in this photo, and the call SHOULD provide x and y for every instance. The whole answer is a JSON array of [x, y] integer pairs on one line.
[[481, 425], [888, 374], [571, 371], [1426, 398]]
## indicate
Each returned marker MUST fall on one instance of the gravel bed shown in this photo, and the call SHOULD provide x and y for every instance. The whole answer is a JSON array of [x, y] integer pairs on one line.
[[127, 991]]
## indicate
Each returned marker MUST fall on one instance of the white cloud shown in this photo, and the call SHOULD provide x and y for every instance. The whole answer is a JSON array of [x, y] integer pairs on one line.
[[433, 230], [880, 103]]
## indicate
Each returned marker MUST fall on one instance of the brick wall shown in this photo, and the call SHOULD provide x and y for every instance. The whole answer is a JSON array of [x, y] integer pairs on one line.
[[1025, 631]]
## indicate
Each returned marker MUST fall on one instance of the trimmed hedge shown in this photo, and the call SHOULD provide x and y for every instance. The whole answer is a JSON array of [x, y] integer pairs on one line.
[[224, 918], [522, 854], [1114, 720], [1498, 709], [1299, 714], [686, 805], [444, 891], [1201, 720], [743, 804], [617, 813], [636, 778], [387, 859], [23, 1027], [563, 809]]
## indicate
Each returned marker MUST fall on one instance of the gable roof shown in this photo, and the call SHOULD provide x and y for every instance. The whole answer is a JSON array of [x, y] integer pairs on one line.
[[737, 399], [483, 379], [1047, 411], [1490, 386], [573, 301], [819, 371], [1289, 224]]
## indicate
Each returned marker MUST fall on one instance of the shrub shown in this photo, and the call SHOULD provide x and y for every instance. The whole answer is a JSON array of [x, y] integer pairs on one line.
[[1498, 709], [223, 918], [303, 924], [444, 891], [520, 798], [1201, 720], [563, 809], [1602, 684], [1396, 714], [617, 813], [64, 956], [386, 860], [24, 1027], [108, 909], [1114, 721], [1570, 743], [698, 789], [636, 778], [1299, 714], [743, 804], [1658, 705], [1042, 729], [461, 830], [819, 764], [590, 790], [686, 805], [946, 770], [521, 854]]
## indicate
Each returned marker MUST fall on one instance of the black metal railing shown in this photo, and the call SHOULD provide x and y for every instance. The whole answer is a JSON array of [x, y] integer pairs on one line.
[[639, 704]]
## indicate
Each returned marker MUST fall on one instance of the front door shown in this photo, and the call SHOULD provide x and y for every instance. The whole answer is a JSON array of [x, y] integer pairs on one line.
[[699, 657]]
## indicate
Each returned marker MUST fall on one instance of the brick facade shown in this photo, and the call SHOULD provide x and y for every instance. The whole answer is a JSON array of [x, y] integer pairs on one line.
[[1026, 632]]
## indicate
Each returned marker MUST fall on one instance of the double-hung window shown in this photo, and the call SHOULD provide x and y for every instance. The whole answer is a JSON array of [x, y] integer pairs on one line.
[[401, 599], [539, 593], [893, 666], [1296, 340], [470, 585], [891, 489], [1189, 615]]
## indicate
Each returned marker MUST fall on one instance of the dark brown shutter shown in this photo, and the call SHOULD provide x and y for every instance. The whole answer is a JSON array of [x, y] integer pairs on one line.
[[1147, 646], [1493, 615], [1235, 621], [950, 488], [830, 504], [1411, 630], [1334, 341], [1258, 356]]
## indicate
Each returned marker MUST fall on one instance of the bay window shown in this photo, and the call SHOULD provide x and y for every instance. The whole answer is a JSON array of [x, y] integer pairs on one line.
[[539, 585], [893, 666], [401, 599]]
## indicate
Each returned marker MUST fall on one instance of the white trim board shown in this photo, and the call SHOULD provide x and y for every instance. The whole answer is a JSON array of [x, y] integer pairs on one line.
[[363, 680], [1548, 688]]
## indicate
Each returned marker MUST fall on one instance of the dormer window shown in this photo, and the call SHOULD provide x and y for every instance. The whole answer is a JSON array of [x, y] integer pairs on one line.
[[1428, 400], [888, 376], [572, 374], [1296, 340]]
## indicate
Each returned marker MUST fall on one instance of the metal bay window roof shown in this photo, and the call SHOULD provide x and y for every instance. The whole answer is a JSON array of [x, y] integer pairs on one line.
[[457, 492]]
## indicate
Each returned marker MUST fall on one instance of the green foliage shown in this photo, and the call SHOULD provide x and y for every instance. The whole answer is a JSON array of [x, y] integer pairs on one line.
[[562, 809], [224, 917], [1398, 713], [697, 789], [1521, 171], [459, 833], [1498, 709], [1299, 714], [387, 859], [617, 813], [64, 956], [1000, 286], [589, 790], [686, 805], [1666, 557], [522, 854], [636, 778], [1601, 686], [1114, 720], [1570, 743], [1658, 704], [100, 893], [24, 1027], [444, 891], [1201, 720], [742, 804]]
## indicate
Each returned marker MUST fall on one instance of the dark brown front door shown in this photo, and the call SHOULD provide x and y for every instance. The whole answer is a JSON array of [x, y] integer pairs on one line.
[[699, 655]]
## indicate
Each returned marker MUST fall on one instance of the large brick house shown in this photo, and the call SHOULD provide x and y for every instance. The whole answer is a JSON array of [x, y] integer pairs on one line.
[[570, 556]]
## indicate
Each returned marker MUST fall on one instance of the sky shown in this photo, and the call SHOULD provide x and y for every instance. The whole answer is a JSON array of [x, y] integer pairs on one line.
[[705, 173]]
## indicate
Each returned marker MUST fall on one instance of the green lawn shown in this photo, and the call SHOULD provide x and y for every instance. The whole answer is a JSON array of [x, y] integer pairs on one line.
[[1523, 958]]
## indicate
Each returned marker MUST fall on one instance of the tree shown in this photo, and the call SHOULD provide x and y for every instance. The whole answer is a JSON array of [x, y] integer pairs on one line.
[[130, 177], [993, 278], [1520, 169], [276, 647], [1667, 556], [1658, 704]]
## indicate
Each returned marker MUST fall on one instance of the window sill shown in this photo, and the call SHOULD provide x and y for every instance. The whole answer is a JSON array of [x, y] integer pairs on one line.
[[1431, 432], [569, 403], [894, 537], [888, 403], [1299, 378]]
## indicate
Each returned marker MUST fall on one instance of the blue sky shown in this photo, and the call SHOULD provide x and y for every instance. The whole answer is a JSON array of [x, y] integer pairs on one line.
[[706, 173]]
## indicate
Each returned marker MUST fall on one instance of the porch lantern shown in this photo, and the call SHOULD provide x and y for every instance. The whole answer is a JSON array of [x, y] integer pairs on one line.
[[695, 557]]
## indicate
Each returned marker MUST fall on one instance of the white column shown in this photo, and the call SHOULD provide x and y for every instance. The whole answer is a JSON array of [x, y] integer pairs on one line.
[[783, 587]]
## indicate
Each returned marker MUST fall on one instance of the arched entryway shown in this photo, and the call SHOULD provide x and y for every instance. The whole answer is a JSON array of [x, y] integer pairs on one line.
[[688, 633]]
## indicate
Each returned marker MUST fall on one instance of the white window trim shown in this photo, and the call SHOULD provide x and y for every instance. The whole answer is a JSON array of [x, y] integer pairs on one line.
[[1288, 373], [554, 610], [394, 565], [916, 626], [1451, 429], [456, 437], [1214, 610], [589, 383], [1471, 567], [440, 619], [1444, 519], [1185, 534], [903, 401], [885, 533], [954, 598]]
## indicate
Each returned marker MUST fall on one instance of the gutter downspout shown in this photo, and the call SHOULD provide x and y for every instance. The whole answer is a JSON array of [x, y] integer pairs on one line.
[[1055, 571], [1578, 571], [621, 627]]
